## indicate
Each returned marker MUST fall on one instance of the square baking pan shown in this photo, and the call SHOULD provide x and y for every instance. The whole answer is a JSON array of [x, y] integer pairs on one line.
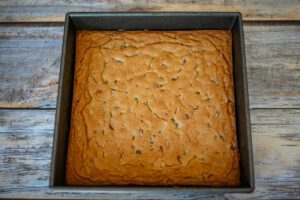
[[151, 21]]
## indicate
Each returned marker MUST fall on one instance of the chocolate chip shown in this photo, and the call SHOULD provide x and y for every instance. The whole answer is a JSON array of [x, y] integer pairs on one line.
[[138, 152], [176, 124], [232, 147], [136, 99], [111, 127], [174, 78], [178, 159], [161, 149], [187, 116], [222, 138]]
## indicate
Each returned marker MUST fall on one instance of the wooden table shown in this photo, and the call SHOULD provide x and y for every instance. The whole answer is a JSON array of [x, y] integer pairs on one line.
[[30, 46]]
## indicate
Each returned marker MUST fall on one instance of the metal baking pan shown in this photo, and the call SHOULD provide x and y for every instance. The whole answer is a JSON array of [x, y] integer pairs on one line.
[[151, 21]]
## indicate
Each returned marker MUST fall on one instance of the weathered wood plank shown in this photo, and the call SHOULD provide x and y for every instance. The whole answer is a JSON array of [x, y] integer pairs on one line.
[[30, 60], [25, 148], [29, 65], [26, 142], [273, 62], [33, 11]]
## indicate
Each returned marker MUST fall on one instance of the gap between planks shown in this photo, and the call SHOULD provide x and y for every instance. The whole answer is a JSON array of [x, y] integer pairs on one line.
[[18, 10], [30, 61], [49, 23], [26, 144]]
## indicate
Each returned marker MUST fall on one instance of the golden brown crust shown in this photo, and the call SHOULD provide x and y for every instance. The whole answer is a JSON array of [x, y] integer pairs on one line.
[[153, 108]]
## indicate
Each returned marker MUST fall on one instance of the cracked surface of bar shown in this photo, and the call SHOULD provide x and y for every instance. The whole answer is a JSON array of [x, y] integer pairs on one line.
[[153, 108]]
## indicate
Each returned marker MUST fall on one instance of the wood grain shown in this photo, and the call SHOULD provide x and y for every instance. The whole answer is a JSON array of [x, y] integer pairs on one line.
[[46, 10], [26, 141], [29, 68], [273, 65], [30, 60]]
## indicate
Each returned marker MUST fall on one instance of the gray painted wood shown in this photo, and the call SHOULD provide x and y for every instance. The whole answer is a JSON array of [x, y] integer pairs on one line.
[[32, 10], [273, 62], [26, 143], [30, 60], [29, 65]]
